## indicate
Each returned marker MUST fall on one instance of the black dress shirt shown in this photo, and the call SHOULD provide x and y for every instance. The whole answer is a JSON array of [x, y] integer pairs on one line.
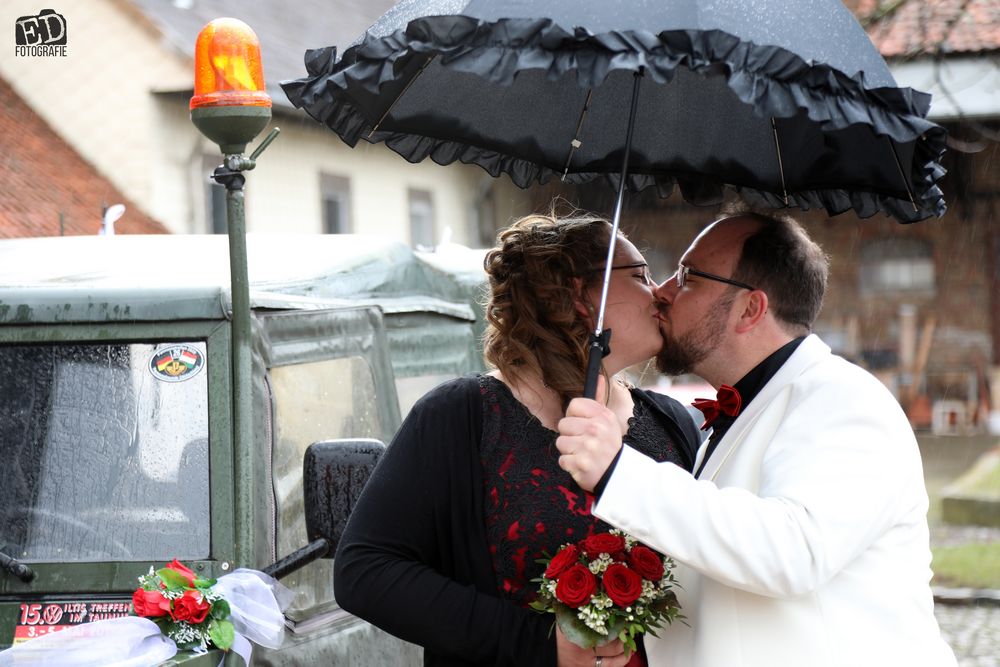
[[748, 387]]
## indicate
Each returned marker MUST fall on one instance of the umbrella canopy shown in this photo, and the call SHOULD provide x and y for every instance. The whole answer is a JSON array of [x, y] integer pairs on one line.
[[785, 101]]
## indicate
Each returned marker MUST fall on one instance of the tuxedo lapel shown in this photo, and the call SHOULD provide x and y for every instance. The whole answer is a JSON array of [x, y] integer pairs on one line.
[[811, 351], [700, 455]]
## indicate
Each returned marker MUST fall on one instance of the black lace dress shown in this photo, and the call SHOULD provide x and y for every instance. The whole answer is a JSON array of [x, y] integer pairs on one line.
[[417, 557], [533, 506]]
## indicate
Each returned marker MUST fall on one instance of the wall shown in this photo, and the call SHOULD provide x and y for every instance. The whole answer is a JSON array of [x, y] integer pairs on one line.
[[96, 97], [106, 99], [285, 194], [963, 301]]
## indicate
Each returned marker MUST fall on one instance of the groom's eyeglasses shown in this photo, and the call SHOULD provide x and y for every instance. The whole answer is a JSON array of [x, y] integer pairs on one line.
[[684, 271]]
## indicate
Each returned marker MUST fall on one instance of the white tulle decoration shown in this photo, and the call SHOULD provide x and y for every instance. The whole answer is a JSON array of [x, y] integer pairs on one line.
[[129, 641], [256, 602]]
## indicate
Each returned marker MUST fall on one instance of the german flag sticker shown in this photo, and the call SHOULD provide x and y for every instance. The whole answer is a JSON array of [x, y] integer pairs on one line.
[[176, 363]]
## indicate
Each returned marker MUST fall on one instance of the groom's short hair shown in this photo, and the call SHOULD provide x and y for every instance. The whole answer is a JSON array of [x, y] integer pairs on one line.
[[780, 259]]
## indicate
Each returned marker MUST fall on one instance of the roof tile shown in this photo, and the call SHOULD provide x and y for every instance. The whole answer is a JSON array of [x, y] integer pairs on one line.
[[906, 28]]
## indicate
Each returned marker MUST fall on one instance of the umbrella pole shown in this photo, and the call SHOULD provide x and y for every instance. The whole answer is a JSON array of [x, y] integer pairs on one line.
[[600, 340]]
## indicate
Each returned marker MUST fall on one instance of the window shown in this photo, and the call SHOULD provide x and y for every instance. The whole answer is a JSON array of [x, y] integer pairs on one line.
[[314, 401], [336, 203], [215, 200], [897, 265], [104, 459], [421, 219]]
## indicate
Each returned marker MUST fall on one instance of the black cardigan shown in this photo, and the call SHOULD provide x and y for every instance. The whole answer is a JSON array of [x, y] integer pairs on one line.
[[414, 559]]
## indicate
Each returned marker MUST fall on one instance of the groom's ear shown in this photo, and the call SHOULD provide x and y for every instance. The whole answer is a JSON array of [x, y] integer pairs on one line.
[[755, 306]]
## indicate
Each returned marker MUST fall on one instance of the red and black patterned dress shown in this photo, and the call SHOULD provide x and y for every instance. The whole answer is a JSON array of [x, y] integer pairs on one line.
[[466, 497], [531, 504]]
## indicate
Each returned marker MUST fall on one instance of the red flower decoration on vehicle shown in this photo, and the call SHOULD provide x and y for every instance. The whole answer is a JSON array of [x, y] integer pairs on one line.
[[190, 607], [184, 571], [150, 603], [185, 607]]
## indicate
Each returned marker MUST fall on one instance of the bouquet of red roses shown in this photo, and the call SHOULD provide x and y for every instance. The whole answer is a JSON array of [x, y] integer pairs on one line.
[[185, 607], [606, 587]]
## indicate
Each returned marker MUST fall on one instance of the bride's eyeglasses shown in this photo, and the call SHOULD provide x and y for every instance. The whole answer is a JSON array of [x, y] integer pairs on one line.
[[646, 275]]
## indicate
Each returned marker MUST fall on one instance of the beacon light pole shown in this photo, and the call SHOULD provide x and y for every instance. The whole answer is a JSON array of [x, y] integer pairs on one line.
[[230, 106]]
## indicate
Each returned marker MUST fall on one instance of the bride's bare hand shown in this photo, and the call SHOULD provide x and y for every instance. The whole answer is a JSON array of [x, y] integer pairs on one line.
[[571, 655]]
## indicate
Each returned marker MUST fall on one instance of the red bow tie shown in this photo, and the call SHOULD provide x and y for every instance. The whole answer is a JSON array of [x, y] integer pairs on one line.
[[727, 401]]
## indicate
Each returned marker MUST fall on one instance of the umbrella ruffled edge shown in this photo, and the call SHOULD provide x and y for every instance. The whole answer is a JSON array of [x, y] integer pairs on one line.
[[772, 80]]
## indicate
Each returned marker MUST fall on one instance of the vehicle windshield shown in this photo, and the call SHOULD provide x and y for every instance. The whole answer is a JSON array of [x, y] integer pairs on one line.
[[104, 452]]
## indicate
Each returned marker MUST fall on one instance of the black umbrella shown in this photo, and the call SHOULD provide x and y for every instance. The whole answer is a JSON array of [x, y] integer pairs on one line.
[[786, 102]]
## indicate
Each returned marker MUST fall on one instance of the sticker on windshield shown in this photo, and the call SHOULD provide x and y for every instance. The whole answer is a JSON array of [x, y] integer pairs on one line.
[[41, 618], [176, 363]]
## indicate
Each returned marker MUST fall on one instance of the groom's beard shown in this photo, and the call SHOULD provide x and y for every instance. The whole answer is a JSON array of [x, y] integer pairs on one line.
[[681, 354]]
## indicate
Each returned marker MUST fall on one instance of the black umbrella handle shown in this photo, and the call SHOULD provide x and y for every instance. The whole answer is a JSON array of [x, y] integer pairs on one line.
[[600, 347]]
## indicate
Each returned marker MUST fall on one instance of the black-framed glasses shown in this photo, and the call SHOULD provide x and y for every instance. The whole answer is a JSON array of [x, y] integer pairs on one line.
[[684, 271], [635, 265]]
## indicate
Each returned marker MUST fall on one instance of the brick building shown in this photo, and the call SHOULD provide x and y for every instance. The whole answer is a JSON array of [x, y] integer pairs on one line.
[[120, 99], [46, 187]]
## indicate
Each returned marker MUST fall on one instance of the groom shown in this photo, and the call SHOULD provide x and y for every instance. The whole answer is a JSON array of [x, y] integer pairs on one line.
[[802, 539]]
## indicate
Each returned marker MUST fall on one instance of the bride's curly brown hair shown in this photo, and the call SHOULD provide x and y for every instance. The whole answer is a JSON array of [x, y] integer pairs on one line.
[[532, 323]]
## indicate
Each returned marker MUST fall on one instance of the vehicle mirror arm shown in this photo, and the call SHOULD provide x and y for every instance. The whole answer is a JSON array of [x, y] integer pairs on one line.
[[17, 568], [299, 558], [333, 475]]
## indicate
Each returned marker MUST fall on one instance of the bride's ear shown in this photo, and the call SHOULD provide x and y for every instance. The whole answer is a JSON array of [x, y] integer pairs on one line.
[[581, 305]]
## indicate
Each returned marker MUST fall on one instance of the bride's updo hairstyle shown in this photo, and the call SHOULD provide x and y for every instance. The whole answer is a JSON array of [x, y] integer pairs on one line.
[[532, 323]]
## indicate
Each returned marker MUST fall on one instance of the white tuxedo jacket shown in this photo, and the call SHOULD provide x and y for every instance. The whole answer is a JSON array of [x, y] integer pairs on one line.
[[804, 542]]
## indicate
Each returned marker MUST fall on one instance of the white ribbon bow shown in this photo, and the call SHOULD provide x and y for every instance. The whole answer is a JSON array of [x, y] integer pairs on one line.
[[256, 602]]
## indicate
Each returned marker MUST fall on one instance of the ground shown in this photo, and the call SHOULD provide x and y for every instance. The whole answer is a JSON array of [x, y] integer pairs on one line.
[[971, 627]]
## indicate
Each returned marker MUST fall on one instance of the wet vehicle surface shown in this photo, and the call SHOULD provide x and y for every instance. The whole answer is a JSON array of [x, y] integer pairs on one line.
[[116, 402]]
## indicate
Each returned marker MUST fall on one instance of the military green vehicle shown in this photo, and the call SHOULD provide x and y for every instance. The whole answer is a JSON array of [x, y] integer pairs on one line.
[[117, 436]]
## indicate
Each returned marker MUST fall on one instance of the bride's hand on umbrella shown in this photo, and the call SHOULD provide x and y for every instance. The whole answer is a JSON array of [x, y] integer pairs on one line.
[[590, 438]]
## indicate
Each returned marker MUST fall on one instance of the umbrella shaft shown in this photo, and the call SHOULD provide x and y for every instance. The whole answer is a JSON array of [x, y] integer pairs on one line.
[[616, 218], [600, 341]]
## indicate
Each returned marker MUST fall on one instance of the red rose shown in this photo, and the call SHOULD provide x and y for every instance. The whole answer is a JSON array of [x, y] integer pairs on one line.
[[623, 586], [646, 562], [150, 603], [603, 543], [575, 586], [562, 560], [176, 566], [191, 607]]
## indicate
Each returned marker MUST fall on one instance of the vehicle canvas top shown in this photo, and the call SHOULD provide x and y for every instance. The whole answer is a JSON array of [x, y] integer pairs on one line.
[[176, 277], [117, 410]]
